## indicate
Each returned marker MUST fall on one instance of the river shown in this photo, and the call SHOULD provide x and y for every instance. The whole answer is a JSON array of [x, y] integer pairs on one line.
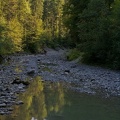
[[54, 101]]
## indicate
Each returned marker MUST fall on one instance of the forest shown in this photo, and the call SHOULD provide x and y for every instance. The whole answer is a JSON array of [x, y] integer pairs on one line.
[[91, 28]]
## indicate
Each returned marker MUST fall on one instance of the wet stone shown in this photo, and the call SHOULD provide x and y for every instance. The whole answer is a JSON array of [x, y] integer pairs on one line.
[[19, 103], [3, 105], [31, 73], [3, 94], [2, 113]]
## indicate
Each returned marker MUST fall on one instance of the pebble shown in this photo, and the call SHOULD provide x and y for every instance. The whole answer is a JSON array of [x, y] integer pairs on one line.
[[3, 105], [19, 102]]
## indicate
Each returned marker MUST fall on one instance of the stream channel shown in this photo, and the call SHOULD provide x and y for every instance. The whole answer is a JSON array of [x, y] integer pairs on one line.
[[54, 101], [48, 87]]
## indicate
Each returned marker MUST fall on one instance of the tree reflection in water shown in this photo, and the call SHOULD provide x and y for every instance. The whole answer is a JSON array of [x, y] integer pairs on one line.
[[39, 100], [49, 101]]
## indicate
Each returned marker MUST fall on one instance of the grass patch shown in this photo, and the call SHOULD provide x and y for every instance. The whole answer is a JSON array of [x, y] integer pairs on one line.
[[74, 54]]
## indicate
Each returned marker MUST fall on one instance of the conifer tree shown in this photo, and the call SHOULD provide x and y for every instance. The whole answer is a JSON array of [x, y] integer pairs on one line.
[[52, 17]]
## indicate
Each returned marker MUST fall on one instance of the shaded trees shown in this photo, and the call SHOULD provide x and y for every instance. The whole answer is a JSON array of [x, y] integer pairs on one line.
[[71, 11], [114, 55], [94, 26], [94, 31]]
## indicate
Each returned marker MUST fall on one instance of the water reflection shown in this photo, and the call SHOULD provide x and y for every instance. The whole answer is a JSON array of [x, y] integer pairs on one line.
[[34, 102], [51, 101], [39, 100]]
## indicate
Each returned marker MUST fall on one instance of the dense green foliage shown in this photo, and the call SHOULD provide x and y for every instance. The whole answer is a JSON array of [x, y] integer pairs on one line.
[[29, 24], [94, 27], [90, 26]]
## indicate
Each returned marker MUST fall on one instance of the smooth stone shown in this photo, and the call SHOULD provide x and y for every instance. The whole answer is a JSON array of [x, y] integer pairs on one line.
[[3, 105]]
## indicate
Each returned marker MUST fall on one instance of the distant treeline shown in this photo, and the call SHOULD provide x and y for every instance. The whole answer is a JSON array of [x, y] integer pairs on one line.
[[90, 26]]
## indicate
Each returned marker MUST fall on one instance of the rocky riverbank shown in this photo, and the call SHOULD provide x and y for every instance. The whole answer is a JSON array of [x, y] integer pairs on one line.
[[79, 77], [18, 70]]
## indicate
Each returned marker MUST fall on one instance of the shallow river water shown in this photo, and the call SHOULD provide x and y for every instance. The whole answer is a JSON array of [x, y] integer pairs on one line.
[[46, 100]]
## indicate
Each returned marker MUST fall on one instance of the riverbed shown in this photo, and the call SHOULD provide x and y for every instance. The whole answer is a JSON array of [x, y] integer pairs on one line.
[[19, 71]]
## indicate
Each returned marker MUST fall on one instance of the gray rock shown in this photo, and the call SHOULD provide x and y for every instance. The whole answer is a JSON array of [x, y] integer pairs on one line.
[[19, 103], [31, 73], [3, 105]]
